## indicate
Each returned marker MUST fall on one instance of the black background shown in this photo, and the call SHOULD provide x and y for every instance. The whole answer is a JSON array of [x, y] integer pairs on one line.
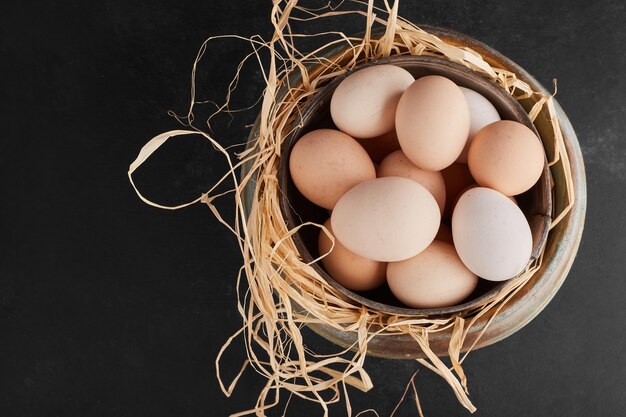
[[109, 307]]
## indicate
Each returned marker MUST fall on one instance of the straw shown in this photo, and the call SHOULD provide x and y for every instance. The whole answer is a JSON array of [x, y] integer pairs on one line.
[[277, 293]]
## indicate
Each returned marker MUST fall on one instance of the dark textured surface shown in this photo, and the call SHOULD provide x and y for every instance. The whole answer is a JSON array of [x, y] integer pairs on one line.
[[112, 308]]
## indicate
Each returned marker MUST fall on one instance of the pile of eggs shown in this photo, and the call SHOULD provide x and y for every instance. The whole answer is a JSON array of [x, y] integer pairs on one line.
[[408, 158]]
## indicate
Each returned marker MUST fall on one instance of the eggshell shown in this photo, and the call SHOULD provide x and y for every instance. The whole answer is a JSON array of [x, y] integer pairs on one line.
[[444, 234], [380, 146], [386, 219], [506, 156], [510, 197], [457, 177], [364, 104], [491, 234], [324, 164], [347, 268], [434, 278], [398, 165], [432, 122], [482, 113]]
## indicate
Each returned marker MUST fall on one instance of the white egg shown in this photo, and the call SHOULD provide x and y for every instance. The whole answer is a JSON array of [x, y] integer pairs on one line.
[[491, 234], [482, 113]]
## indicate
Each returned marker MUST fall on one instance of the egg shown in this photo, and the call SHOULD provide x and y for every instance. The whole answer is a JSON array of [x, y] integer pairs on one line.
[[444, 234], [506, 156], [457, 177], [482, 113], [491, 234], [325, 163], [386, 219], [380, 146], [432, 122], [364, 104], [347, 268], [510, 197], [434, 278], [398, 165]]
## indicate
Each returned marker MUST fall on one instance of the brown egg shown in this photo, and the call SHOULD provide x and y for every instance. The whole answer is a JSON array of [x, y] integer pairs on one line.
[[457, 177], [506, 156], [347, 268], [386, 219], [491, 234], [398, 165], [434, 278], [324, 164], [444, 234], [381, 146], [432, 122], [364, 104]]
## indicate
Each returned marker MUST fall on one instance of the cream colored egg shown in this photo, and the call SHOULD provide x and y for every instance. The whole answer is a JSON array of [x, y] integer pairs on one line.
[[324, 164], [386, 219], [364, 104], [397, 164], [491, 234], [432, 122], [482, 113], [434, 278], [347, 268]]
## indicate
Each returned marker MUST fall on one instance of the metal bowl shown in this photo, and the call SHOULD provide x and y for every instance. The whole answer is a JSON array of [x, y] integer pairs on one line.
[[560, 244], [536, 203]]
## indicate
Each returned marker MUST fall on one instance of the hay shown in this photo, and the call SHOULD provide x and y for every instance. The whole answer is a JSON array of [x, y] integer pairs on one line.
[[277, 293]]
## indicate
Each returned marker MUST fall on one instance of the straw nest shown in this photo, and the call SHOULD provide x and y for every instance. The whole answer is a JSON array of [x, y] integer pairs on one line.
[[277, 292]]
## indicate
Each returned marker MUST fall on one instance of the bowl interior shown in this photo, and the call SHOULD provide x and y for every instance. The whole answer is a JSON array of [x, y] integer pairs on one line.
[[536, 203]]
